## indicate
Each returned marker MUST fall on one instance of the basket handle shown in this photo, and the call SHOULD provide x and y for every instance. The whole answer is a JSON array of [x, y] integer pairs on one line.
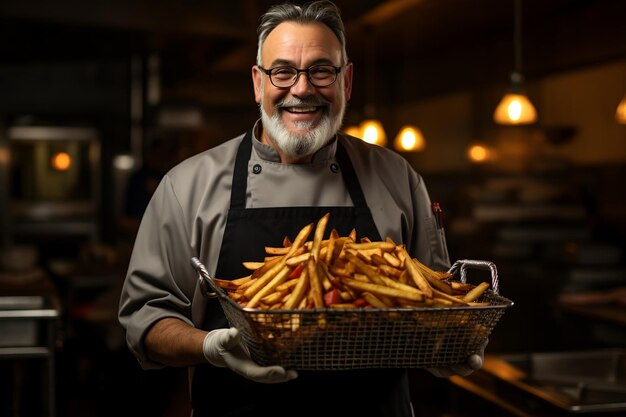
[[462, 266], [207, 285]]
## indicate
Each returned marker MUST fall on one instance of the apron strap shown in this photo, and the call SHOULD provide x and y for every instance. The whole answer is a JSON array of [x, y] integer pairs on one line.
[[240, 174], [349, 175]]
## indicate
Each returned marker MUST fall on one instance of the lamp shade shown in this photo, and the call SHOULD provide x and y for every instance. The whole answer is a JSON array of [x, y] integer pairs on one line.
[[620, 113], [409, 139], [515, 109], [372, 132]]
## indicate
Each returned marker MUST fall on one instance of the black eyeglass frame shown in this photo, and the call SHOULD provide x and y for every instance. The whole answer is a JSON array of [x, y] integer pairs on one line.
[[307, 71]]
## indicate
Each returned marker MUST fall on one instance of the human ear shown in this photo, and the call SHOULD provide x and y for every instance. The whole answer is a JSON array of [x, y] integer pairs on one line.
[[256, 81]]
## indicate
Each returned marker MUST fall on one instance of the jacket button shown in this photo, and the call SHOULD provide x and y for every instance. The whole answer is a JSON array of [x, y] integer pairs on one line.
[[256, 169], [334, 168]]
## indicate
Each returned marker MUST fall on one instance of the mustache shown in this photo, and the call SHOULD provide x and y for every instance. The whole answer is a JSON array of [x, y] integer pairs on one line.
[[310, 101]]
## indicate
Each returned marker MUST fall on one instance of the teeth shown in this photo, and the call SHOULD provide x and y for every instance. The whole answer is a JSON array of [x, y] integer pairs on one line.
[[301, 109]]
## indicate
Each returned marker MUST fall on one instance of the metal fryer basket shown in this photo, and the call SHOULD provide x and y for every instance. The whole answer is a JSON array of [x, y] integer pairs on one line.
[[342, 339]]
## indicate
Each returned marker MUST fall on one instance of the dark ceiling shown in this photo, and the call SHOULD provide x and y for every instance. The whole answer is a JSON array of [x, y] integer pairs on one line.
[[420, 48]]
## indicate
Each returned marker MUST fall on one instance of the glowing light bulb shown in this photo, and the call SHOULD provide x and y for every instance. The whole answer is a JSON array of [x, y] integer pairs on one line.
[[478, 153], [372, 132], [61, 161], [515, 109], [409, 139]]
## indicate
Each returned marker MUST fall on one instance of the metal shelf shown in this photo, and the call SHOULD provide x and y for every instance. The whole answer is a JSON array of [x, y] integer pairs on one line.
[[25, 352], [26, 309]]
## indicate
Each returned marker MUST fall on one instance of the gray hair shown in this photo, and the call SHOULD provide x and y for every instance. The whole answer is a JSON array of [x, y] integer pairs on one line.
[[325, 12]]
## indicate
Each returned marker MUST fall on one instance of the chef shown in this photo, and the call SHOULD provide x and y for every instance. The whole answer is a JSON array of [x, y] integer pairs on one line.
[[226, 204]]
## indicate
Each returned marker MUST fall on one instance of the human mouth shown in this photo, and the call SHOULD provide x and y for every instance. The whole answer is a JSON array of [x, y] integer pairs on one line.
[[308, 109]]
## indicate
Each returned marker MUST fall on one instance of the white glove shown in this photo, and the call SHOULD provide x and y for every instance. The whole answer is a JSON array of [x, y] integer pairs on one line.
[[223, 348]]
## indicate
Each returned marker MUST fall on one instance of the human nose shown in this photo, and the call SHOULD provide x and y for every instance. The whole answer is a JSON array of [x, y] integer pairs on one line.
[[303, 85]]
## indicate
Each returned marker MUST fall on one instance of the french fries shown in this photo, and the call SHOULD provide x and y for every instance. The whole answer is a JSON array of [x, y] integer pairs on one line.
[[341, 272]]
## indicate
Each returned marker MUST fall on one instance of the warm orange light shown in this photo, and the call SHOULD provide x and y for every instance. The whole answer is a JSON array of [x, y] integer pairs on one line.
[[409, 139], [352, 131], [5, 156], [620, 113], [372, 132], [61, 161], [478, 153], [515, 109]]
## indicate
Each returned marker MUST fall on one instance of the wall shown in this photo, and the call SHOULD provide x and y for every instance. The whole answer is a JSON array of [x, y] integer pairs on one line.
[[583, 99], [587, 99]]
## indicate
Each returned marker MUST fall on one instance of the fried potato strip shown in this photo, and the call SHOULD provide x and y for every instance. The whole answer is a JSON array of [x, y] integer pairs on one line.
[[345, 272]]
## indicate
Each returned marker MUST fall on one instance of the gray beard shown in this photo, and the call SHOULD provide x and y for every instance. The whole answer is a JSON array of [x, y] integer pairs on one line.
[[297, 145]]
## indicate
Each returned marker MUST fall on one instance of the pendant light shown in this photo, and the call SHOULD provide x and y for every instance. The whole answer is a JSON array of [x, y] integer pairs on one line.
[[620, 113], [371, 129], [372, 132], [479, 153], [515, 108], [409, 139]]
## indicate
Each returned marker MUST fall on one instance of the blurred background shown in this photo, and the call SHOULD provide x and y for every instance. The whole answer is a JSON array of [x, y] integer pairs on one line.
[[99, 99]]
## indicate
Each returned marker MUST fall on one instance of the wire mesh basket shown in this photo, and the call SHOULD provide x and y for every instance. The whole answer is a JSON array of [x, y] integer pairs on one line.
[[360, 338]]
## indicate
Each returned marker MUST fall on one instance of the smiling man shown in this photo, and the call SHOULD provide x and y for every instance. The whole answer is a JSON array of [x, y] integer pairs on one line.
[[224, 205], [301, 109]]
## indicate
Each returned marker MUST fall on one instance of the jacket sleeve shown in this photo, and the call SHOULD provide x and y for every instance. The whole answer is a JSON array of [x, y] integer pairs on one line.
[[160, 280]]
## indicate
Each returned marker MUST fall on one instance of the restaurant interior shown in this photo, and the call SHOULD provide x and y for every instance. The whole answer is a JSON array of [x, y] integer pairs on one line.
[[92, 93]]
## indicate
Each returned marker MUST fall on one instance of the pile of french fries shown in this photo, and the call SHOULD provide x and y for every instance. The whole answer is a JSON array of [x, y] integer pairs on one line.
[[341, 272]]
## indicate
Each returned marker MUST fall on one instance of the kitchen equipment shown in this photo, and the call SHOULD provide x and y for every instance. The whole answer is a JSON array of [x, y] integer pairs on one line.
[[19, 324], [578, 381], [28, 332], [52, 187]]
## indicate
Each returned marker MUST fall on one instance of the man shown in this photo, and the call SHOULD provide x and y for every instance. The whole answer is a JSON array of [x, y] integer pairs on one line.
[[225, 204]]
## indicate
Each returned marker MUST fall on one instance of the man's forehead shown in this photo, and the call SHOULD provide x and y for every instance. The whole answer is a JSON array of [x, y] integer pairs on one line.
[[298, 38]]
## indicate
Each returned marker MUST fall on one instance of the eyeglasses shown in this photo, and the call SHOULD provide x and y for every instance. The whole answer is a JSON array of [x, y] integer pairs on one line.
[[318, 75]]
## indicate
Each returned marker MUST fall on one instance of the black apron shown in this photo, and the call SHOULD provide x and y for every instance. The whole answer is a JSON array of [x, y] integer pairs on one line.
[[222, 392]]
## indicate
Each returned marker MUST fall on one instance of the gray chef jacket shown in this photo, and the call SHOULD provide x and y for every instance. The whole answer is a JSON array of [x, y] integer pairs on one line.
[[186, 218]]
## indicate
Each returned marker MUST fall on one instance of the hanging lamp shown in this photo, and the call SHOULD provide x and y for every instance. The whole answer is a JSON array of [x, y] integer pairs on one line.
[[515, 108], [479, 153], [371, 129], [409, 139], [620, 113]]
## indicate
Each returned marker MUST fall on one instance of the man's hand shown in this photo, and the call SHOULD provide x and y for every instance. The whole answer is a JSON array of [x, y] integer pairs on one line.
[[223, 348]]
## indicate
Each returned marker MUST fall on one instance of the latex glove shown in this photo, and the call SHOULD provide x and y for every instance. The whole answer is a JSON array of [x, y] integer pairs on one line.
[[474, 363], [223, 348]]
